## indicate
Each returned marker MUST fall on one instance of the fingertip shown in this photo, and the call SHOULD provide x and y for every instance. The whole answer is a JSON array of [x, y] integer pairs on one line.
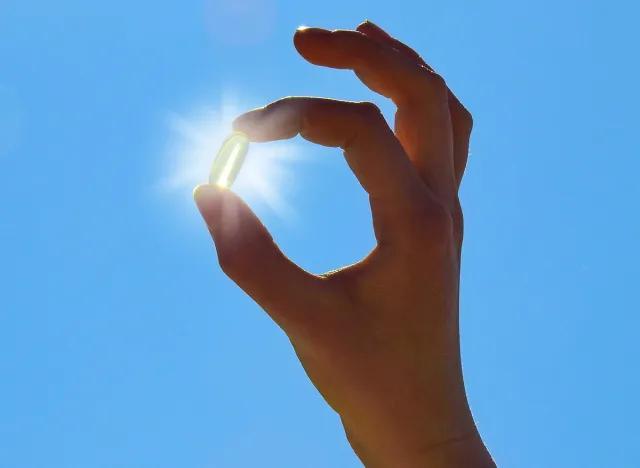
[[209, 200], [306, 31], [205, 194], [239, 124], [247, 122], [299, 37], [276, 121], [306, 35]]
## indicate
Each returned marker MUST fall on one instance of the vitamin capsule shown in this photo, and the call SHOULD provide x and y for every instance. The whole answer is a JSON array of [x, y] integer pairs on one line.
[[229, 160]]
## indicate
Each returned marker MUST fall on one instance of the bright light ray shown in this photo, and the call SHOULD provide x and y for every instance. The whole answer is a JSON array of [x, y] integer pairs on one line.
[[267, 174], [224, 178]]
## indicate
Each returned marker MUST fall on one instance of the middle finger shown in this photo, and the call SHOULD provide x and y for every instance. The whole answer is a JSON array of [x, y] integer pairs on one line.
[[422, 121]]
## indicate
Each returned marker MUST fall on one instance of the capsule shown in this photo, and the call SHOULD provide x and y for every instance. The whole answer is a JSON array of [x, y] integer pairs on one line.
[[228, 162]]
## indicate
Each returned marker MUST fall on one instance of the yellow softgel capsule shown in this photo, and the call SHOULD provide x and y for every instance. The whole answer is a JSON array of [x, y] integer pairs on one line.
[[229, 160]]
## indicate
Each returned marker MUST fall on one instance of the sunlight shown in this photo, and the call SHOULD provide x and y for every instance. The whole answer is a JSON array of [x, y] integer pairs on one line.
[[266, 176]]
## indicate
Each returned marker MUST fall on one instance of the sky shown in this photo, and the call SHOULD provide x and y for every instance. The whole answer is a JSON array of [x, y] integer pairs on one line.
[[122, 344]]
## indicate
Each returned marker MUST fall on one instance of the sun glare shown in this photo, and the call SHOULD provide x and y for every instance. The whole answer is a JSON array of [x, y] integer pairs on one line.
[[195, 139]]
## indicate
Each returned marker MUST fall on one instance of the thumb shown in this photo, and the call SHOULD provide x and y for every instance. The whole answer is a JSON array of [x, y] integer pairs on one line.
[[250, 257]]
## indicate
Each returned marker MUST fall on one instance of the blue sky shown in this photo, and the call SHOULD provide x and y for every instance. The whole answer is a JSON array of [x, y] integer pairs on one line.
[[123, 345]]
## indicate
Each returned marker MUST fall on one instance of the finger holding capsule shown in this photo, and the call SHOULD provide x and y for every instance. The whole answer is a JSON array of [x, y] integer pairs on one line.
[[370, 147], [400, 200]]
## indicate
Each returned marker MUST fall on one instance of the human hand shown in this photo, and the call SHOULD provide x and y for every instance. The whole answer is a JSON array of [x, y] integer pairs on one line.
[[380, 338]]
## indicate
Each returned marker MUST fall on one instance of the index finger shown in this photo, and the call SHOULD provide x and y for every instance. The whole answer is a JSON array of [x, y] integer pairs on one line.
[[370, 147]]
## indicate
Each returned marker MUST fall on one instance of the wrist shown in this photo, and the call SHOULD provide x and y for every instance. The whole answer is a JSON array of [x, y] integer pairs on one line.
[[467, 451]]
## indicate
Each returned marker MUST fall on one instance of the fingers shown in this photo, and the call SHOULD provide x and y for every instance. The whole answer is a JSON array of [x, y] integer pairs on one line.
[[374, 31], [378, 160], [249, 256], [461, 119], [371, 149], [422, 121], [381, 68]]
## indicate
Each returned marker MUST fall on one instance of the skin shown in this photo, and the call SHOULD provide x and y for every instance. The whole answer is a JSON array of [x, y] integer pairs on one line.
[[379, 339]]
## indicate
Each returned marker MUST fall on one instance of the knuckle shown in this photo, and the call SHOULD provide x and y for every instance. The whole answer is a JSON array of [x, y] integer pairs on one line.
[[435, 224], [230, 263], [426, 86], [457, 218], [282, 102], [464, 118], [238, 256], [368, 111], [438, 81], [434, 82], [468, 119], [245, 253], [441, 224]]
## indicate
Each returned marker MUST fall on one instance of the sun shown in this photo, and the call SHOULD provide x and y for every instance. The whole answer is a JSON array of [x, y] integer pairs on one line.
[[267, 176]]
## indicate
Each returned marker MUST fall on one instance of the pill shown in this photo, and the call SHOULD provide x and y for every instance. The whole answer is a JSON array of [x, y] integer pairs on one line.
[[228, 162]]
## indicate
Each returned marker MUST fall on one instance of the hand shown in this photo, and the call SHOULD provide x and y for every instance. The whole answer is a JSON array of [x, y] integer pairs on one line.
[[379, 339]]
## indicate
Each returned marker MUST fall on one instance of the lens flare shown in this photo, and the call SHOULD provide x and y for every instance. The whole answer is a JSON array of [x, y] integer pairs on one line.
[[267, 175]]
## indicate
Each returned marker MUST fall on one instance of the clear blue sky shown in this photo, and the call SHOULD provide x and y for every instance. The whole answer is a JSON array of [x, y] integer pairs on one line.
[[123, 345]]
